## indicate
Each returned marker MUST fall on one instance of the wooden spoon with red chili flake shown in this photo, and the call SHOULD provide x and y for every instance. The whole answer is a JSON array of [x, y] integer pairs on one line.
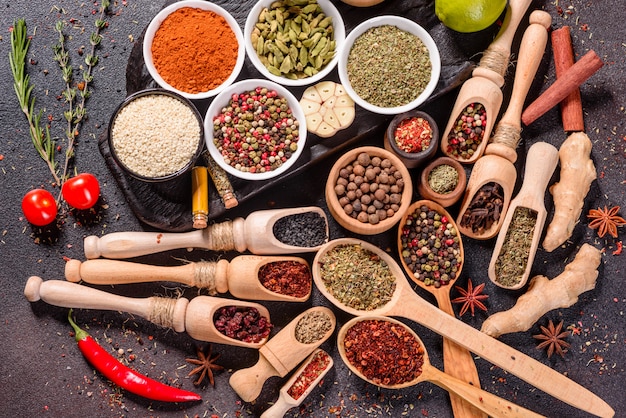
[[606, 220]]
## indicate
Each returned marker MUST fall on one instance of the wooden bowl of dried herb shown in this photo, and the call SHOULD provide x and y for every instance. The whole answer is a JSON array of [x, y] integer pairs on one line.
[[368, 190], [443, 181]]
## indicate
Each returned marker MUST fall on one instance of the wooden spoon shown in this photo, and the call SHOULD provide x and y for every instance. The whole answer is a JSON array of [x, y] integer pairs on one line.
[[195, 316], [484, 401], [406, 303], [457, 361], [499, 168], [281, 354], [540, 164], [240, 276], [285, 401], [487, 79], [254, 233]]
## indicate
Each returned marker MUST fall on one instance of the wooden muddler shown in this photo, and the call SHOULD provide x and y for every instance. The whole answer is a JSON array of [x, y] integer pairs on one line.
[[563, 86], [571, 106]]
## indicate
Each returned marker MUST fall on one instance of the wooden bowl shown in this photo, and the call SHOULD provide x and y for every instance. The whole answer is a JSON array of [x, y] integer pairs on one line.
[[444, 199], [439, 209], [411, 159], [336, 209]]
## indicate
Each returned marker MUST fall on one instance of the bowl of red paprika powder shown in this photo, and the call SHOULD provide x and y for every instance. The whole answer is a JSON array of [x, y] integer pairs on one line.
[[255, 129], [194, 48]]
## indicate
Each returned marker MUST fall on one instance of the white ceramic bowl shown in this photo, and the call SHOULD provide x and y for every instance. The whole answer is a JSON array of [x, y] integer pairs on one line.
[[198, 4], [339, 33], [405, 25], [222, 100]]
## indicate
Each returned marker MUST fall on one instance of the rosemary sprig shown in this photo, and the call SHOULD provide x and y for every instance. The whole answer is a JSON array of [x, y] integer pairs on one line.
[[76, 112], [20, 43]]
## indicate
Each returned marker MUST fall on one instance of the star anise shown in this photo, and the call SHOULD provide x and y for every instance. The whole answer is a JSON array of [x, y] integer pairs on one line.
[[471, 298], [553, 339], [606, 220], [206, 365]]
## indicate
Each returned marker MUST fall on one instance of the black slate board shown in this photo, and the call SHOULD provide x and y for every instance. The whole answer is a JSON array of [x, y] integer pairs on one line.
[[167, 206]]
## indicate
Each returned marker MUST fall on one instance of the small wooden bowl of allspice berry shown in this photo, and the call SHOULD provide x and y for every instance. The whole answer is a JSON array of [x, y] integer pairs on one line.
[[368, 190]]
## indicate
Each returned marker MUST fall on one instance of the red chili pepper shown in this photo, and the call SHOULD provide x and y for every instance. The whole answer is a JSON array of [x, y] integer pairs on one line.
[[125, 377]]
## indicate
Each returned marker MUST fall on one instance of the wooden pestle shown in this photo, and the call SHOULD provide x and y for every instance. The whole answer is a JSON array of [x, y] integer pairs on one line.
[[240, 276], [253, 233], [540, 164], [487, 79], [195, 316], [499, 166], [281, 354]]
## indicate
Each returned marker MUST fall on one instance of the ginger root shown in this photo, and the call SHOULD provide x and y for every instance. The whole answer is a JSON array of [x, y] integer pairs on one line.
[[544, 295], [577, 174]]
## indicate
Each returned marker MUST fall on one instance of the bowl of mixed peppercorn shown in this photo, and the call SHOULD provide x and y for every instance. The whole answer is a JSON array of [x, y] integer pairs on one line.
[[413, 136], [389, 65], [255, 129]]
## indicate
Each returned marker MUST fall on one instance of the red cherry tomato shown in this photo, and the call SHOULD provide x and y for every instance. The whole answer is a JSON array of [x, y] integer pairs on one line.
[[81, 191], [39, 207]]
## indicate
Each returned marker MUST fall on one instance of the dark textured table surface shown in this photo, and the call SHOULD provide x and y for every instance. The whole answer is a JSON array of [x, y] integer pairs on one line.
[[42, 373]]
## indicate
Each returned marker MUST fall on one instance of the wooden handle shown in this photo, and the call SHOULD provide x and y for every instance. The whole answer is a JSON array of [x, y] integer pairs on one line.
[[571, 106], [283, 404], [563, 86], [541, 161], [490, 404], [530, 54], [165, 312], [248, 383]]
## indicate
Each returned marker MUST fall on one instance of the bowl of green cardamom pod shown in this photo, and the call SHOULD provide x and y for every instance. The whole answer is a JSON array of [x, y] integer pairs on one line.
[[294, 42]]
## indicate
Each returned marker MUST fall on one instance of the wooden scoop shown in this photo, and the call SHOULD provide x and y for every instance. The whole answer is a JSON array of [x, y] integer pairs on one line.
[[540, 164], [281, 354], [255, 233], [457, 361], [285, 401], [195, 316], [407, 304], [487, 80], [499, 168], [240, 276], [488, 403]]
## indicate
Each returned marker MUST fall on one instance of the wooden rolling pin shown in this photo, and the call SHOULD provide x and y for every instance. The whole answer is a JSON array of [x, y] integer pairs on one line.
[[255, 233], [280, 355], [195, 316], [501, 151], [484, 86], [240, 276]]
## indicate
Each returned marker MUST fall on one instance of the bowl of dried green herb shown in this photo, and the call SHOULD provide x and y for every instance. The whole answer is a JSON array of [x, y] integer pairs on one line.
[[294, 42], [443, 180], [389, 65]]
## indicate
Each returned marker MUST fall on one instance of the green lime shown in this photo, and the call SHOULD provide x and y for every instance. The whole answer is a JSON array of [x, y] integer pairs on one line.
[[469, 15]]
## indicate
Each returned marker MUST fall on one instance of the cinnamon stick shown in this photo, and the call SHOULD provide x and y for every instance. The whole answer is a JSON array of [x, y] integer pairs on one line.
[[571, 106], [573, 77]]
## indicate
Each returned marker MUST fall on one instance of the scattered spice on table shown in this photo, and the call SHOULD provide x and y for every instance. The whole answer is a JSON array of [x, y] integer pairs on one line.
[[287, 277], [257, 131], [384, 352], [413, 135], [194, 50], [467, 134], [357, 277], [553, 340], [443, 179], [430, 246], [318, 364], [513, 258], [312, 326], [306, 229], [369, 189], [484, 209], [388, 67], [206, 364], [242, 323]]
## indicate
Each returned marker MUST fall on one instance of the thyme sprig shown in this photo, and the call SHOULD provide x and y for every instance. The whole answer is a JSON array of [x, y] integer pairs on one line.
[[45, 146], [74, 95]]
